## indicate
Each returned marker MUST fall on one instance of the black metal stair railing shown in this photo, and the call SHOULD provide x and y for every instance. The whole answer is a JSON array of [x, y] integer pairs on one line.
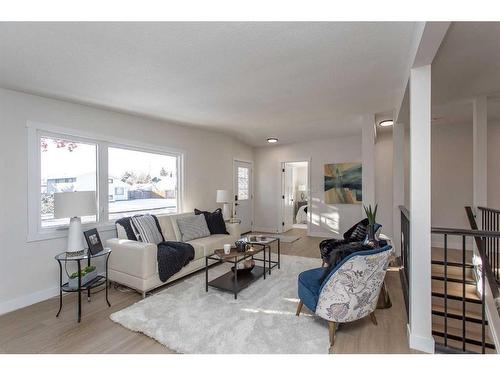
[[490, 221], [462, 328], [405, 255]]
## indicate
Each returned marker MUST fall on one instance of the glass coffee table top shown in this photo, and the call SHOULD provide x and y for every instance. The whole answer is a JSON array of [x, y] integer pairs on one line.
[[259, 239]]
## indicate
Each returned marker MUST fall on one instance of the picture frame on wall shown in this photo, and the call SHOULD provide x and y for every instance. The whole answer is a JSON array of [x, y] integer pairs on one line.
[[343, 183], [93, 241]]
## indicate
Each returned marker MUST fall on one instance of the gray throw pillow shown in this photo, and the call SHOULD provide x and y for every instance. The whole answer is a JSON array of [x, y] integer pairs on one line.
[[192, 227]]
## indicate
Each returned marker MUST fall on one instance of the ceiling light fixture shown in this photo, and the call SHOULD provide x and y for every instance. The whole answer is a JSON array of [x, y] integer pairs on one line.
[[272, 140], [386, 123]]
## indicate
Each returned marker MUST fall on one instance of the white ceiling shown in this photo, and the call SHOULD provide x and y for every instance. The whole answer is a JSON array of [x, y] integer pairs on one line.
[[295, 81], [467, 65]]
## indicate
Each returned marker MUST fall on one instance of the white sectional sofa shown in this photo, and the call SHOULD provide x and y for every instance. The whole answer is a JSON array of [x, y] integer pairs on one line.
[[134, 263]]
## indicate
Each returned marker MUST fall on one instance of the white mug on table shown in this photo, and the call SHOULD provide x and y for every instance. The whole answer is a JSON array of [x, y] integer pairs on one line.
[[227, 248]]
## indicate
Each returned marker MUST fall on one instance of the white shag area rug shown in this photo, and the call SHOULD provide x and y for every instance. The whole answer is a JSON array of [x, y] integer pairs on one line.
[[262, 320]]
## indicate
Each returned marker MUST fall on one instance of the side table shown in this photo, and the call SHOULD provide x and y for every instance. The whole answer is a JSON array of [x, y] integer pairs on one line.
[[90, 284]]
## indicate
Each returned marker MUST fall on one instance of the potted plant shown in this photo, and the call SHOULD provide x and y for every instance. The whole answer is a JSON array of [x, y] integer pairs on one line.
[[88, 274], [371, 215]]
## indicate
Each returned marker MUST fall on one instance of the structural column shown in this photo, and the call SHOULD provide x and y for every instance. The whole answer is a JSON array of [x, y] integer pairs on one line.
[[398, 188], [368, 159], [480, 154], [420, 325]]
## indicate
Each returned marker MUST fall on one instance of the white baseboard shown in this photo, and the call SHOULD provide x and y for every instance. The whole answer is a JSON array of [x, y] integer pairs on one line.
[[420, 343], [30, 299]]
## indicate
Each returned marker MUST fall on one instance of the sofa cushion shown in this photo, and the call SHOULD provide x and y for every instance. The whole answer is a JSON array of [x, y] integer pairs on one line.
[[192, 227], [206, 245], [167, 227]]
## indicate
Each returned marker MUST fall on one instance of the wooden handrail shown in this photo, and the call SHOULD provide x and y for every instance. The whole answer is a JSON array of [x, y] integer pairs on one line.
[[465, 232], [405, 211]]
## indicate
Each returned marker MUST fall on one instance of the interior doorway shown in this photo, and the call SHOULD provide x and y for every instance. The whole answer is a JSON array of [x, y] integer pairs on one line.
[[294, 195]]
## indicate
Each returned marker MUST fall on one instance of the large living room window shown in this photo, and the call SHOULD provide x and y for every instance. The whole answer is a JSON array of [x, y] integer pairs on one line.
[[126, 179], [66, 165], [141, 182]]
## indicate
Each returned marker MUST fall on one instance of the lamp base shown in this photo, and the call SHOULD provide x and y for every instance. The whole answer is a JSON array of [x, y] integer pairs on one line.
[[226, 211], [75, 254], [75, 236]]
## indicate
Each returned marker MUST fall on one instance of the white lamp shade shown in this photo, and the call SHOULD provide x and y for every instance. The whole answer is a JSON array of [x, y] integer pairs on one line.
[[223, 196], [302, 188], [73, 204]]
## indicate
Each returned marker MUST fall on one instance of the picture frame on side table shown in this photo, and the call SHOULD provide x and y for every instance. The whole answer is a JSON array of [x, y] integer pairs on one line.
[[93, 241]]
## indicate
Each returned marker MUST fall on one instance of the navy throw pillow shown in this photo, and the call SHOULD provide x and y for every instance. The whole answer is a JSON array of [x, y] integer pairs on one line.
[[215, 221]]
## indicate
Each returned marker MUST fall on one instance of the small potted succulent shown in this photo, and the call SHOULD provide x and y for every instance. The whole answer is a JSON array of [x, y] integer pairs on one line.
[[371, 215], [88, 274]]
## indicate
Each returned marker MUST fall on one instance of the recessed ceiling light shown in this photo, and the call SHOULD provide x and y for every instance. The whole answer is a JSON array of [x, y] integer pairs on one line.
[[272, 140], [386, 123]]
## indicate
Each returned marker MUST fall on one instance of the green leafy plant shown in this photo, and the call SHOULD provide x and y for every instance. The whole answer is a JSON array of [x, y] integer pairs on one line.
[[371, 214], [83, 272]]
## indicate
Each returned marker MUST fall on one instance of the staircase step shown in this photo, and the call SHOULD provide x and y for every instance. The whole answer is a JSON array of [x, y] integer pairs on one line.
[[453, 255], [457, 314], [473, 338], [452, 264], [454, 291], [453, 280], [475, 309], [453, 269]]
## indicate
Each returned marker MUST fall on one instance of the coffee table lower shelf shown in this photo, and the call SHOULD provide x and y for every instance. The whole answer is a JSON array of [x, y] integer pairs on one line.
[[228, 283]]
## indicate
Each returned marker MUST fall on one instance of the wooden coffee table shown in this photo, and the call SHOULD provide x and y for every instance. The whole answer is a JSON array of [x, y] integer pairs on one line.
[[231, 281]]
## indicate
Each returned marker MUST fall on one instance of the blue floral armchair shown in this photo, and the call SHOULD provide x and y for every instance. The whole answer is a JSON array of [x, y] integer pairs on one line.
[[349, 291]]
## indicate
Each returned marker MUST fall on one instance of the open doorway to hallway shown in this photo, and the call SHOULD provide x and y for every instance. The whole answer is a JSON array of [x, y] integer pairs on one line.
[[294, 195]]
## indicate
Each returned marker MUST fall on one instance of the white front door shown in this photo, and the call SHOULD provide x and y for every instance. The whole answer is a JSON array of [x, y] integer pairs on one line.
[[243, 194], [287, 197]]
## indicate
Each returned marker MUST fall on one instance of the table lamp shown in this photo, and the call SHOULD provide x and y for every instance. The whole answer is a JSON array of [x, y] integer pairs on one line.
[[74, 205], [224, 197]]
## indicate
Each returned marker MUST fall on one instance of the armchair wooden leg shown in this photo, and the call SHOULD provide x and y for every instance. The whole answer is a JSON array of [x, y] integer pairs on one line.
[[373, 318], [299, 308], [331, 330]]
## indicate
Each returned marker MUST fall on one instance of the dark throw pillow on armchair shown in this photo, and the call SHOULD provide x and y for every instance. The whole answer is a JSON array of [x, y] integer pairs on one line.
[[215, 221]]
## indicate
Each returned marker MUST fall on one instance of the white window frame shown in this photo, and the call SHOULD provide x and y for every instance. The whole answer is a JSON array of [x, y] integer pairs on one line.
[[179, 166], [35, 130]]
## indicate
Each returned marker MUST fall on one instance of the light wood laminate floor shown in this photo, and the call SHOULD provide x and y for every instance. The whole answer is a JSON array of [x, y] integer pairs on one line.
[[35, 329]]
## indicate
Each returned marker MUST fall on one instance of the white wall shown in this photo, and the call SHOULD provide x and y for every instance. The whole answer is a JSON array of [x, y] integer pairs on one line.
[[327, 220], [407, 164], [451, 178], [494, 165], [383, 180], [29, 271]]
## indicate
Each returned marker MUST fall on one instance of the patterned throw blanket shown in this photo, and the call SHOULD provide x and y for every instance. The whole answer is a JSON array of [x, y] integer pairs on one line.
[[172, 256]]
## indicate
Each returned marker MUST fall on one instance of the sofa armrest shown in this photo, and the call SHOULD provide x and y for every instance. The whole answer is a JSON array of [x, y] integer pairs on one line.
[[133, 257], [234, 230]]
